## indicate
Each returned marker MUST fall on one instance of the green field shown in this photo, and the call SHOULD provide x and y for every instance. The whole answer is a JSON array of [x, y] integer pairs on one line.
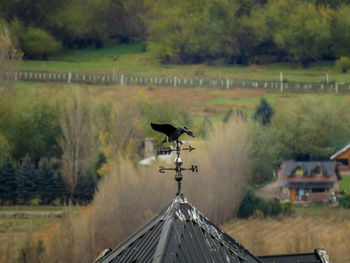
[[344, 184], [117, 58], [208, 102]]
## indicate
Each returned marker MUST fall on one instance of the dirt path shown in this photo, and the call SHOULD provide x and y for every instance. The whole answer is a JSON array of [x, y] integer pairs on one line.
[[269, 191]]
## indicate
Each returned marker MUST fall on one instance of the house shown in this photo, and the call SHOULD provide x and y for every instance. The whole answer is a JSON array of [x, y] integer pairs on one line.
[[308, 181], [343, 156]]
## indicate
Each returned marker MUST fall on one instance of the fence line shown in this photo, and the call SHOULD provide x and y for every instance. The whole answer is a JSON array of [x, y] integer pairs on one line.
[[223, 83]]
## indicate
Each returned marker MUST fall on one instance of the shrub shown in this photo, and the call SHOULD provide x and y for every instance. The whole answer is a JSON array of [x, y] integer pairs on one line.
[[251, 205], [344, 201], [343, 64], [38, 44]]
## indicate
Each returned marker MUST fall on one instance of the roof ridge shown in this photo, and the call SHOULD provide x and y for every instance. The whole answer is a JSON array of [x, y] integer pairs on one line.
[[172, 233]]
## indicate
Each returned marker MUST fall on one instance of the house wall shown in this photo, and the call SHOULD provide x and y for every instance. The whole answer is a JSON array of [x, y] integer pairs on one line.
[[324, 197], [345, 155]]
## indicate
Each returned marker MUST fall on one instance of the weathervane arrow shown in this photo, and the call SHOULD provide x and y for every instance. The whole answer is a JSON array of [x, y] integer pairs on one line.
[[173, 133]]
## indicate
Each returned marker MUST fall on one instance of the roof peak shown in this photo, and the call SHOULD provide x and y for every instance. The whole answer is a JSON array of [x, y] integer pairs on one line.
[[173, 234]]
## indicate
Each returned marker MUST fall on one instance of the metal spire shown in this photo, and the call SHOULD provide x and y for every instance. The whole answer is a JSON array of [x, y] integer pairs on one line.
[[178, 162]]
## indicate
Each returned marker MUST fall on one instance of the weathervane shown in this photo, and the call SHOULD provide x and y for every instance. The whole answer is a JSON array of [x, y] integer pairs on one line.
[[172, 135]]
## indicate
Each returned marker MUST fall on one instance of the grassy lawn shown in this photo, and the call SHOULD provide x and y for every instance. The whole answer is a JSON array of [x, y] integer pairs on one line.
[[315, 209], [344, 184], [117, 58]]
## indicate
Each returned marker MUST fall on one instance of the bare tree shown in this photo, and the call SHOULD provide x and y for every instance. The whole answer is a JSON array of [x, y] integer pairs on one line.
[[129, 195], [9, 56], [78, 141]]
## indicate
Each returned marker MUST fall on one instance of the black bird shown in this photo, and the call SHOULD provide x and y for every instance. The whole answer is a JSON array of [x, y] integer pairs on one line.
[[172, 133]]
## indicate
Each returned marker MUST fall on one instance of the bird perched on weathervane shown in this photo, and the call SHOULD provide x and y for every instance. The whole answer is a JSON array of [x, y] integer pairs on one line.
[[172, 133]]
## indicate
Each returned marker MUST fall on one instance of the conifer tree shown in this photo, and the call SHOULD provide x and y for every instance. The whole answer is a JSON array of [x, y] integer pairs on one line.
[[27, 182], [8, 182], [86, 187], [263, 112], [59, 188], [46, 183]]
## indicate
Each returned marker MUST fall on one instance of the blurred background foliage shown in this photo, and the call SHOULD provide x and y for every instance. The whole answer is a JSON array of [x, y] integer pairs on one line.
[[195, 31], [38, 133]]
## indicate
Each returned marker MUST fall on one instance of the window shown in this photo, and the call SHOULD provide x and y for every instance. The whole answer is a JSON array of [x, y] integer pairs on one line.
[[316, 171], [298, 172], [344, 161]]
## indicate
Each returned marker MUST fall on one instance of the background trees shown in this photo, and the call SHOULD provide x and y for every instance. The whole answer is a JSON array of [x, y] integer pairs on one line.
[[9, 55], [78, 141], [248, 31], [306, 129], [8, 183], [311, 127], [195, 31]]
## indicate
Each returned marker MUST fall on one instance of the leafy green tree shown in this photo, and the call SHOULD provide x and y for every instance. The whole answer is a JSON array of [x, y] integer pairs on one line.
[[263, 154], [32, 129], [211, 34], [311, 126], [81, 23], [8, 183], [46, 183], [263, 112], [297, 27], [30, 12], [341, 31], [343, 64], [38, 44], [27, 181]]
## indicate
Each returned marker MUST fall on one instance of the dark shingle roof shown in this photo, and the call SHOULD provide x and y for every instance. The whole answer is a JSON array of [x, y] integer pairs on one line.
[[291, 258], [180, 233], [328, 166], [319, 256]]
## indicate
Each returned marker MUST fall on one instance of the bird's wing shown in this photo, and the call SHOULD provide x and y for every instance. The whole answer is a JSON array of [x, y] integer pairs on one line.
[[164, 128]]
